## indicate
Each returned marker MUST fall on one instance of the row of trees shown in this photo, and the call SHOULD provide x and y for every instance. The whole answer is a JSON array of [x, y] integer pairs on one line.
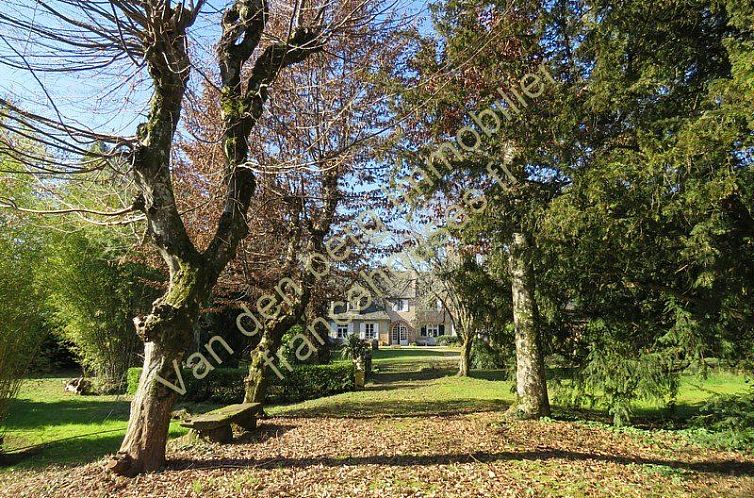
[[71, 284], [628, 226]]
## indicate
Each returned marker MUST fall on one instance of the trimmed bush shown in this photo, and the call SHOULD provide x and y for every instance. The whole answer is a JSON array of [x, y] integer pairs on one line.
[[222, 385], [313, 381], [485, 357], [448, 340], [226, 385]]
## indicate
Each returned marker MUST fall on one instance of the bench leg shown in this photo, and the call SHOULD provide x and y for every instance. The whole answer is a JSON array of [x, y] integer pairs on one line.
[[247, 422], [221, 435]]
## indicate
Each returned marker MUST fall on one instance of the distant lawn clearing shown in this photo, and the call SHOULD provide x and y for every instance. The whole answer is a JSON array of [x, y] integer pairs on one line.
[[445, 395], [414, 359]]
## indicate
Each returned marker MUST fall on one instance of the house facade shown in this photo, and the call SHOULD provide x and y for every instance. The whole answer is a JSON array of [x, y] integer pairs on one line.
[[399, 314]]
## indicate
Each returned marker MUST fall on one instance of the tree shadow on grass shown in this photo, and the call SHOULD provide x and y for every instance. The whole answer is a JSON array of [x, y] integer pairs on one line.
[[78, 451], [402, 380], [37, 434], [26, 414], [394, 408], [415, 366], [667, 418], [724, 467]]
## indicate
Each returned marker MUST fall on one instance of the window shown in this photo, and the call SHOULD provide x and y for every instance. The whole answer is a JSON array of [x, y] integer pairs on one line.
[[438, 305], [368, 331], [342, 331], [432, 330], [358, 305], [400, 305]]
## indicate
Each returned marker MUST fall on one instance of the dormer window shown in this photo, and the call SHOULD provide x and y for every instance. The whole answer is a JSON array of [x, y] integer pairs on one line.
[[357, 306], [400, 305]]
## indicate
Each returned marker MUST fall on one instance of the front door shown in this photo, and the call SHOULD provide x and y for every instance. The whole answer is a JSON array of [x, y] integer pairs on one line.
[[399, 335]]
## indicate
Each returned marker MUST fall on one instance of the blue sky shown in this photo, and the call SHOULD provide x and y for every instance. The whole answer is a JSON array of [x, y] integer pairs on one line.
[[92, 99]]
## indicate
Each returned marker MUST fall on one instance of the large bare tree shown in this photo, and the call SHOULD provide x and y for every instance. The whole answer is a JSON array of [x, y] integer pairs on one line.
[[312, 157], [150, 42]]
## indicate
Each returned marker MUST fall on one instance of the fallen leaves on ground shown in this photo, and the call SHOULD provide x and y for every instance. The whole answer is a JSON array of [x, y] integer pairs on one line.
[[469, 455]]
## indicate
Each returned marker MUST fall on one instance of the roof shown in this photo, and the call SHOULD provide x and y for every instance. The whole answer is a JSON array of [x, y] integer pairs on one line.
[[375, 311], [355, 315], [394, 284]]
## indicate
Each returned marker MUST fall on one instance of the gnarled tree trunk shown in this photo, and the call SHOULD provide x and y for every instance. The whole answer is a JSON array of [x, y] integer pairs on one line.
[[167, 330], [259, 370], [143, 448], [264, 356], [531, 382], [166, 333], [154, 35]]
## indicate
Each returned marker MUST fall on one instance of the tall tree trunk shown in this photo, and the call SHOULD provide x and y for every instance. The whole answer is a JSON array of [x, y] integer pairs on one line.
[[531, 381], [264, 356], [143, 448], [259, 369], [464, 362], [167, 332]]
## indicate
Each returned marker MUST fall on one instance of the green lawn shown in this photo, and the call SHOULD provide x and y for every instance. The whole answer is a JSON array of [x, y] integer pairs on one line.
[[412, 353], [415, 395], [414, 359], [409, 381], [74, 429]]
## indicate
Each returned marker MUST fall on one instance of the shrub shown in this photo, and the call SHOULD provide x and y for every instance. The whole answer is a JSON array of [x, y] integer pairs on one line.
[[354, 348], [95, 295], [448, 340], [22, 315], [322, 354], [222, 385], [286, 349], [226, 385], [728, 420], [485, 357], [313, 381]]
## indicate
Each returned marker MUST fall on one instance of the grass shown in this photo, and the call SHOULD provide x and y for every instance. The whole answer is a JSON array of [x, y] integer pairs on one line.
[[411, 381], [414, 397], [404, 359], [73, 429], [413, 353]]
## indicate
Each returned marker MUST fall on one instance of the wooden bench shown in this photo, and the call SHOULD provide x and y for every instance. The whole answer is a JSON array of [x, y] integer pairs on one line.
[[215, 426]]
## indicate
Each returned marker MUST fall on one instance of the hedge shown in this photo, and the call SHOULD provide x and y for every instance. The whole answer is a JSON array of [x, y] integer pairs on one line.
[[226, 385]]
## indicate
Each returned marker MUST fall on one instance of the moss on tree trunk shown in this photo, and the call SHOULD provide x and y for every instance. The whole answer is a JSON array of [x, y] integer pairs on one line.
[[167, 331], [531, 381], [259, 369]]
